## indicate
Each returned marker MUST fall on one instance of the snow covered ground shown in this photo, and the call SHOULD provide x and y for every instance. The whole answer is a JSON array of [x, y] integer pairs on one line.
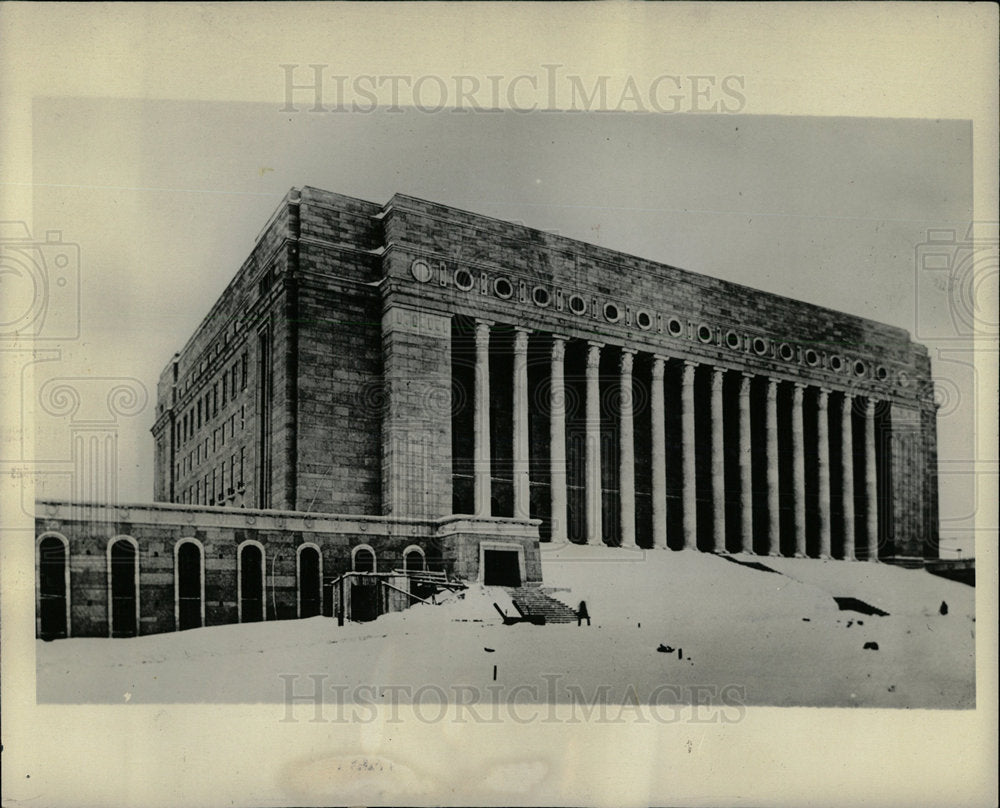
[[736, 635]]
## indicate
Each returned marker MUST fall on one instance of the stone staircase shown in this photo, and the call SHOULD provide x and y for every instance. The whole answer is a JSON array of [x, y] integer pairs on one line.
[[535, 601]]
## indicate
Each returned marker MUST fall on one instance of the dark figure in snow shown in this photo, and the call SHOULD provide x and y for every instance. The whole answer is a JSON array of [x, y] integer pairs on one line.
[[581, 614]]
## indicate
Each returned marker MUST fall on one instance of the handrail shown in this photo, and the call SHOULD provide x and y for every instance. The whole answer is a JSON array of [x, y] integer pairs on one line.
[[415, 597]]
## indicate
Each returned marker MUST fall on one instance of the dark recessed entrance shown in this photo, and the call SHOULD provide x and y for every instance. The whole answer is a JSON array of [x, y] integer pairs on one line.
[[310, 601], [123, 590], [52, 588], [251, 584], [188, 586], [364, 599], [501, 568]]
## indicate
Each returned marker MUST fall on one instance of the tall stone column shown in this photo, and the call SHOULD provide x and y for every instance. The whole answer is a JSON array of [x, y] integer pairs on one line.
[[481, 422], [799, 471], [522, 492], [718, 464], [773, 503], [746, 457], [659, 455], [871, 482], [593, 424], [823, 459], [688, 449], [557, 439], [847, 471], [626, 476]]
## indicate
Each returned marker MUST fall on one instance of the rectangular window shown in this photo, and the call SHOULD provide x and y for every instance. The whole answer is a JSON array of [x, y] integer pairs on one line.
[[243, 454], [199, 413], [215, 400], [225, 388], [243, 372], [232, 472]]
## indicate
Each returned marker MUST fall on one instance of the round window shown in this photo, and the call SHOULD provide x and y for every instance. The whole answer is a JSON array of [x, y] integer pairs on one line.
[[859, 368], [881, 373], [836, 363], [786, 352], [421, 270], [704, 333], [577, 304], [733, 340], [540, 296], [644, 319], [503, 288], [675, 327], [812, 358], [612, 313], [464, 279], [759, 346]]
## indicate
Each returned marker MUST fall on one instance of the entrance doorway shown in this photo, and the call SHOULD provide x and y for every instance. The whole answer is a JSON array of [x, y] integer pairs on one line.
[[124, 562], [364, 599], [310, 586], [251, 584], [52, 588], [189, 586], [501, 568]]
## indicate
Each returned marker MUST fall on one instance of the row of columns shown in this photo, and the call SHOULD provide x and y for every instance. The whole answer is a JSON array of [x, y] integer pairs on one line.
[[626, 459]]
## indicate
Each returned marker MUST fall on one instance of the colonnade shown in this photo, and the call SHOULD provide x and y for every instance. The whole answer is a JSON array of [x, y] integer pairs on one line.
[[853, 534]]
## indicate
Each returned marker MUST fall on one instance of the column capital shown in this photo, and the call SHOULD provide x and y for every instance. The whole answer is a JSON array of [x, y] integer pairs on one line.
[[559, 346], [658, 362], [772, 388], [626, 359], [691, 363], [481, 323], [870, 408], [717, 376], [521, 340], [745, 381], [800, 385], [594, 354], [746, 374], [687, 378]]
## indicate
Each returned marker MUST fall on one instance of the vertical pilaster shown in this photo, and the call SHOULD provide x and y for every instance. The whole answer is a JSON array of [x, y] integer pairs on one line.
[[799, 471], [659, 455], [773, 512], [522, 494], [746, 457], [847, 473], [557, 438], [593, 462], [823, 460], [481, 422], [718, 464], [626, 476], [871, 483], [690, 494]]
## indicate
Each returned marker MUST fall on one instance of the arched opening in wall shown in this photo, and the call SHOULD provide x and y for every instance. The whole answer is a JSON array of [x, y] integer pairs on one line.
[[251, 583], [53, 589], [363, 559], [463, 389], [123, 587], [310, 581], [364, 590], [189, 585], [413, 559]]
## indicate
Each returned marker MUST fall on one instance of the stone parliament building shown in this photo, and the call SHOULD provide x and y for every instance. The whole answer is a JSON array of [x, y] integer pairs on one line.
[[413, 387]]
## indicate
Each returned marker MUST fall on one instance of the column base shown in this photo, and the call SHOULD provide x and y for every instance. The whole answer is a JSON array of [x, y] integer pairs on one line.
[[775, 554], [800, 555], [825, 557]]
